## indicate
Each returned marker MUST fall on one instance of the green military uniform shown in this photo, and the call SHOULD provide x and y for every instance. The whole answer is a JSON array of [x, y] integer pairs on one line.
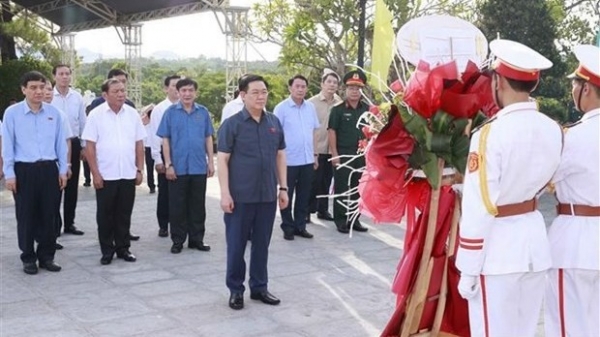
[[343, 120]]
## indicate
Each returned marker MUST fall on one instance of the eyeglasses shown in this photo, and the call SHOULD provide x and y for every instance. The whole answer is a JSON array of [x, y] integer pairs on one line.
[[258, 93]]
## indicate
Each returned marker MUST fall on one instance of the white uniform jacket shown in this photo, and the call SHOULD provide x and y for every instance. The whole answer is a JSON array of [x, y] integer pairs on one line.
[[511, 158], [575, 240]]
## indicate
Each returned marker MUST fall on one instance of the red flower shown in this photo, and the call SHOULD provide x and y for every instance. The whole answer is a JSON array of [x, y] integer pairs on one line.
[[396, 86], [429, 90]]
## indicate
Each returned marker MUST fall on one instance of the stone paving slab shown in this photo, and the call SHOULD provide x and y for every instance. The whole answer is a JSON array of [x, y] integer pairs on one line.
[[332, 285]]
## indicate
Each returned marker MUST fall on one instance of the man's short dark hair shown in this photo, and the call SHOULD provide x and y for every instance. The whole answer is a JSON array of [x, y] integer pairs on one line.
[[520, 86], [236, 93], [245, 82], [117, 72], [297, 77], [184, 82], [106, 85], [170, 78], [32, 76], [324, 78], [60, 65]]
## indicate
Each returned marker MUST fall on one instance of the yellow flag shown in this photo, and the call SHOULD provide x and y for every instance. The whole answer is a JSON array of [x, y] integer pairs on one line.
[[383, 42]]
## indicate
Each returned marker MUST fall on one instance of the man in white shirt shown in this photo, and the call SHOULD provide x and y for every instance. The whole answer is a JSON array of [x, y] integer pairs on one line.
[[234, 106], [71, 104], [115, 152], [503, 252], [162, 201], [573, 284], [146, 116]]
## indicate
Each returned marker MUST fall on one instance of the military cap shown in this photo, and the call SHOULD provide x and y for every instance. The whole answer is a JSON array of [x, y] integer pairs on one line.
[[589, 64], [355, 77], [517, 61]]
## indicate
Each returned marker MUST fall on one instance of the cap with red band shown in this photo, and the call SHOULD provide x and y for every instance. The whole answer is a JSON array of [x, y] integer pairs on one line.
[[589, 64], [517, 61]]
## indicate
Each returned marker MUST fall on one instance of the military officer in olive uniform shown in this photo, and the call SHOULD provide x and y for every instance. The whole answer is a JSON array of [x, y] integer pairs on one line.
[[343, 140]]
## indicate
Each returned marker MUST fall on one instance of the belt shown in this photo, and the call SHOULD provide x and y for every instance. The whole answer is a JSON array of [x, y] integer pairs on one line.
[[517, 209], [577, 210]]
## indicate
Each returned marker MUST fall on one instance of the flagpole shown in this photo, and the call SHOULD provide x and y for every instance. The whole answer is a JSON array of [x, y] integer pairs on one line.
[[361, 33]]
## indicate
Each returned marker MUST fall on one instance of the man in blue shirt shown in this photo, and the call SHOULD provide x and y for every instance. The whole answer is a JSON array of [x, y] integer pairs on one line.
[[299, 120], [186, 131], [35, 166], [251, 161]]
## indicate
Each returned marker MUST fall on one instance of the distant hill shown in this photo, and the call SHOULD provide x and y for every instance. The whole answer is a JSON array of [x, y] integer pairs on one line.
[[165, 55]]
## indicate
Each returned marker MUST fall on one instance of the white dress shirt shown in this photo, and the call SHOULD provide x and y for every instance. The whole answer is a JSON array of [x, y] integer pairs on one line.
[[232, 108], [115, 135], [575, 239], [73, 107], [517, 154], [154, 140]]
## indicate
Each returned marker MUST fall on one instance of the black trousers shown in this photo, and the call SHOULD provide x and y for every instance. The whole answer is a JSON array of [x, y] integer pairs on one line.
[[114, 204], [321, 184], [86, 172], [70, 192], [38, 193], [299, 180], [149, 168], [162, 202], [187, 208]]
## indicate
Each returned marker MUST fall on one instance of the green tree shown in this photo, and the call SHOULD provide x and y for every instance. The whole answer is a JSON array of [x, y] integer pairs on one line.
[[11, 72]]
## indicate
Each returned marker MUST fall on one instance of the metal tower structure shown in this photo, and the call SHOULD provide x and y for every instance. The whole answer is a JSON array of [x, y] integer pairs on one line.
[[66, 44], [131, 37], [235, 27]]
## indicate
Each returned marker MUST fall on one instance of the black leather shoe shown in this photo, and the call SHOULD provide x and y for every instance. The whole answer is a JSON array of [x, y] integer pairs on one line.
[[50, 266], [236, 301], [265, 297], [73, 230], [343, 228], [152, 190], [87, 184], [58, 246], [163, 232], [288, 236], [106, 259], [133, 237], [176, 248], [359, 227], [304, 233], [127, 256], [200, 246], [325, 216], [30, 268]]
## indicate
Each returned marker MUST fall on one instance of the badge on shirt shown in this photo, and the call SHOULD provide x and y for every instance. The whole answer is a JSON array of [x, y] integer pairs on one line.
[[272, 130], [473, 162], [50, 118]]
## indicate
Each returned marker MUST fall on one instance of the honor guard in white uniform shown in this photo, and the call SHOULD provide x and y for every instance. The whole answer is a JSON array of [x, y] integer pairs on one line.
[[503, 252], [573, 287]]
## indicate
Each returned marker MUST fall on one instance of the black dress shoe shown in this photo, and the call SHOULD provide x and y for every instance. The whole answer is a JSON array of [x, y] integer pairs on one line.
[[343, 228], [359, 227], [199, 245], [152, 190], [304, 233], [127, 256], [106, 259], [288, 236], [265, 297], [50, 266], [30, 268], [87, 184], [58, 246], [236, 301], [176, 248], [163, 232], [325, 216], [133, 237], [73, 230]]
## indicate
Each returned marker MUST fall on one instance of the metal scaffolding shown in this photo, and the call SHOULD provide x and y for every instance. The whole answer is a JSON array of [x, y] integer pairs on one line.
[[235, 28], [131, 37], [66, 44]]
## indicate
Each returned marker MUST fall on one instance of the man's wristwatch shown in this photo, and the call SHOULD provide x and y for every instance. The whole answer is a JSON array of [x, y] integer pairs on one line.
[[284, 189]]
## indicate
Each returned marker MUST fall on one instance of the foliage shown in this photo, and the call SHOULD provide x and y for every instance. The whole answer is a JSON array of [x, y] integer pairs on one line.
[[554, 109], [11, 72], [30, 40], [323, 33]]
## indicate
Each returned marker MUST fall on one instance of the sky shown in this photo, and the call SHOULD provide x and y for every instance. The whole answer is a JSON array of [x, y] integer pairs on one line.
[[188, 36]]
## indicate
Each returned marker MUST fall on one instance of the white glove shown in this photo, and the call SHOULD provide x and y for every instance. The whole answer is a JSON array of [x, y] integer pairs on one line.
[[458, 188], [468, 286]]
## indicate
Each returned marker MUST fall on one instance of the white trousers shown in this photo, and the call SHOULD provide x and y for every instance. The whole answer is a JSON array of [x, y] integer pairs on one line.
[[507, 305], [572, 303]]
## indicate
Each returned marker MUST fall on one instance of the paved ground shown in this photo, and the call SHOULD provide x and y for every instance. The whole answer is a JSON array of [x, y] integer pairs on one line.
[[331, 285]]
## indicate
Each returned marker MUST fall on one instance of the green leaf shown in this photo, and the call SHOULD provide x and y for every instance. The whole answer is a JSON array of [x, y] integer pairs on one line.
[[431, 170], [440, 143], [460, 152], [440, 123]]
